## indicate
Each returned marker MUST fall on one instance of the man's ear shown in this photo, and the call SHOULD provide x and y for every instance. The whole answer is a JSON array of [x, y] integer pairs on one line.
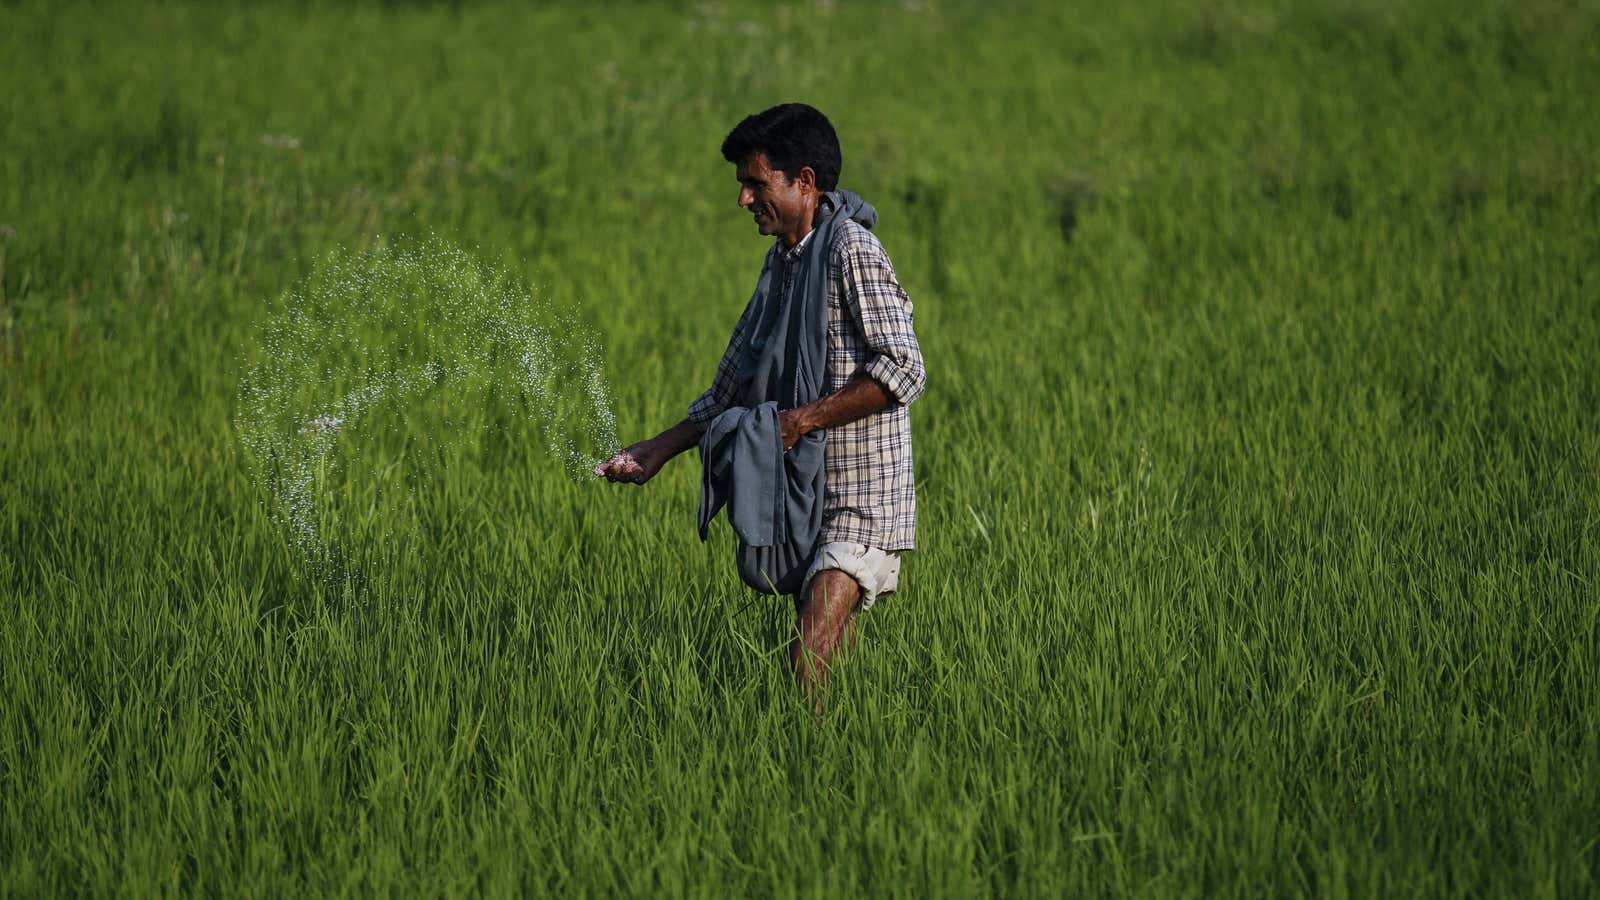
[[806, 178]]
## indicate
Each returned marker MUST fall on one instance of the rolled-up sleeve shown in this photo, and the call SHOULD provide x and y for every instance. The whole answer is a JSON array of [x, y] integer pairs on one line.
[[882, 310]]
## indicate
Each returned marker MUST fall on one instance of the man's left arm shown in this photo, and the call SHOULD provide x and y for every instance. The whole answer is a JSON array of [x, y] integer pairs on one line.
[[894, 372]]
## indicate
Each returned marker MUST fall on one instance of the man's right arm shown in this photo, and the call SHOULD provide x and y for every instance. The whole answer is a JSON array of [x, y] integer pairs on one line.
[[640, 462]]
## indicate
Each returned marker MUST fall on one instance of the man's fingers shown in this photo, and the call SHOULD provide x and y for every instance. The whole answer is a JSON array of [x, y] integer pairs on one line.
[[621, 466], [633, 473]]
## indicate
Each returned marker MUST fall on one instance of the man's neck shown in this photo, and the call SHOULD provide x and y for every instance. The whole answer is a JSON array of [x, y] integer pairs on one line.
[[790, 249], [793, 238]]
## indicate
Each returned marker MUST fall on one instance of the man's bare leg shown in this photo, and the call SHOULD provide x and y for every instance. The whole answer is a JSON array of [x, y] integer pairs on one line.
[[825, 620]]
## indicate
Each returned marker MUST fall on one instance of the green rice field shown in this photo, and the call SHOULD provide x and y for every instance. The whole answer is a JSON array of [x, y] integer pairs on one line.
[[1259, 535]]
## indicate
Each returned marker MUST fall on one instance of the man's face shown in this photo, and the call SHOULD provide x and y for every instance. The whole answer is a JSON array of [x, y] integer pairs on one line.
[[780, 205]]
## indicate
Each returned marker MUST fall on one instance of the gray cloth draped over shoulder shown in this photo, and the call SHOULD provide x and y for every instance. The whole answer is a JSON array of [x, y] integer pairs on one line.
[[774, 498]]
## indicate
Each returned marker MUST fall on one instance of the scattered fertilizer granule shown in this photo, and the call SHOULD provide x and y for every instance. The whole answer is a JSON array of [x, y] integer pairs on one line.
[[323, 425]]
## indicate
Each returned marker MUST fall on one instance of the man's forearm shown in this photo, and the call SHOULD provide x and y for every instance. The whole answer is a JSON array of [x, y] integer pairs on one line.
[[862, 397], [678, 438]]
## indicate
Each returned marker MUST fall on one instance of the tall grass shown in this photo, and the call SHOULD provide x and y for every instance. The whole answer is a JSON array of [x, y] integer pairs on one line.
[[1258, 516]]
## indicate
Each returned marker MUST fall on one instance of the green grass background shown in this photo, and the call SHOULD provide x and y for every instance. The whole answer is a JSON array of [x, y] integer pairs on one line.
[[1256, 472]]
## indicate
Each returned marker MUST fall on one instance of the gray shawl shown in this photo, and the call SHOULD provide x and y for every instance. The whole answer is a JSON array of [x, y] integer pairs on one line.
[[774, 498]]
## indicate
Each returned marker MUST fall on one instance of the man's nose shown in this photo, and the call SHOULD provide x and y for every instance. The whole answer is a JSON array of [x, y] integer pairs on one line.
[[746, 197]]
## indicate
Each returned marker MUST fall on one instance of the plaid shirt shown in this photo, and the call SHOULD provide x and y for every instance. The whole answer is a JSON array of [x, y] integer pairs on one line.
[[870, 497]]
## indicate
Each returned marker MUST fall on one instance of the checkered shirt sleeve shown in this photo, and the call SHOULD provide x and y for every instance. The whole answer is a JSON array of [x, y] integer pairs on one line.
[[883, 344]]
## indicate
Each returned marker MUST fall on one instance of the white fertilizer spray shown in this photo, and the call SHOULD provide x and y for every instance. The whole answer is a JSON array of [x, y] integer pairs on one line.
[[396, 359]]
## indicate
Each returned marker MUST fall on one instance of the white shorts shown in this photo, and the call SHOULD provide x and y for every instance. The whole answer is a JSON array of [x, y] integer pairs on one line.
[[877, 571]]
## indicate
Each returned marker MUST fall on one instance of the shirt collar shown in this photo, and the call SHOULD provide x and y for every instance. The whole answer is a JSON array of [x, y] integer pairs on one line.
[[790, 254]]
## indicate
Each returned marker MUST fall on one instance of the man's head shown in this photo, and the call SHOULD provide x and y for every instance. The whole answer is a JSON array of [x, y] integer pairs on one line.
[[787, 157]]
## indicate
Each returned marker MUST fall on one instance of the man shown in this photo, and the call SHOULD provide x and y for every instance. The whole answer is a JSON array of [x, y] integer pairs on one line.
[[787, 161]]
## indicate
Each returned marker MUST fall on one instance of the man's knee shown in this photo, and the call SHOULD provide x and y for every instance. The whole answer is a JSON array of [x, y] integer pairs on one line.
[[831, 594]]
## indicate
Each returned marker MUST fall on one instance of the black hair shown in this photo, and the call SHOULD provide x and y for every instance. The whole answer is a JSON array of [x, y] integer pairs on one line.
[[792, 135]]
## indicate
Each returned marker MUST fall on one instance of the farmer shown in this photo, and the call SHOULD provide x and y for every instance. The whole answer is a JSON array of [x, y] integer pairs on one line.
[[824, 362]]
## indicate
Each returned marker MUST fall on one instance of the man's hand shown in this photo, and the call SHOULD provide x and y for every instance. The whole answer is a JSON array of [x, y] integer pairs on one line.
[[795, 424], [634, 465]]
